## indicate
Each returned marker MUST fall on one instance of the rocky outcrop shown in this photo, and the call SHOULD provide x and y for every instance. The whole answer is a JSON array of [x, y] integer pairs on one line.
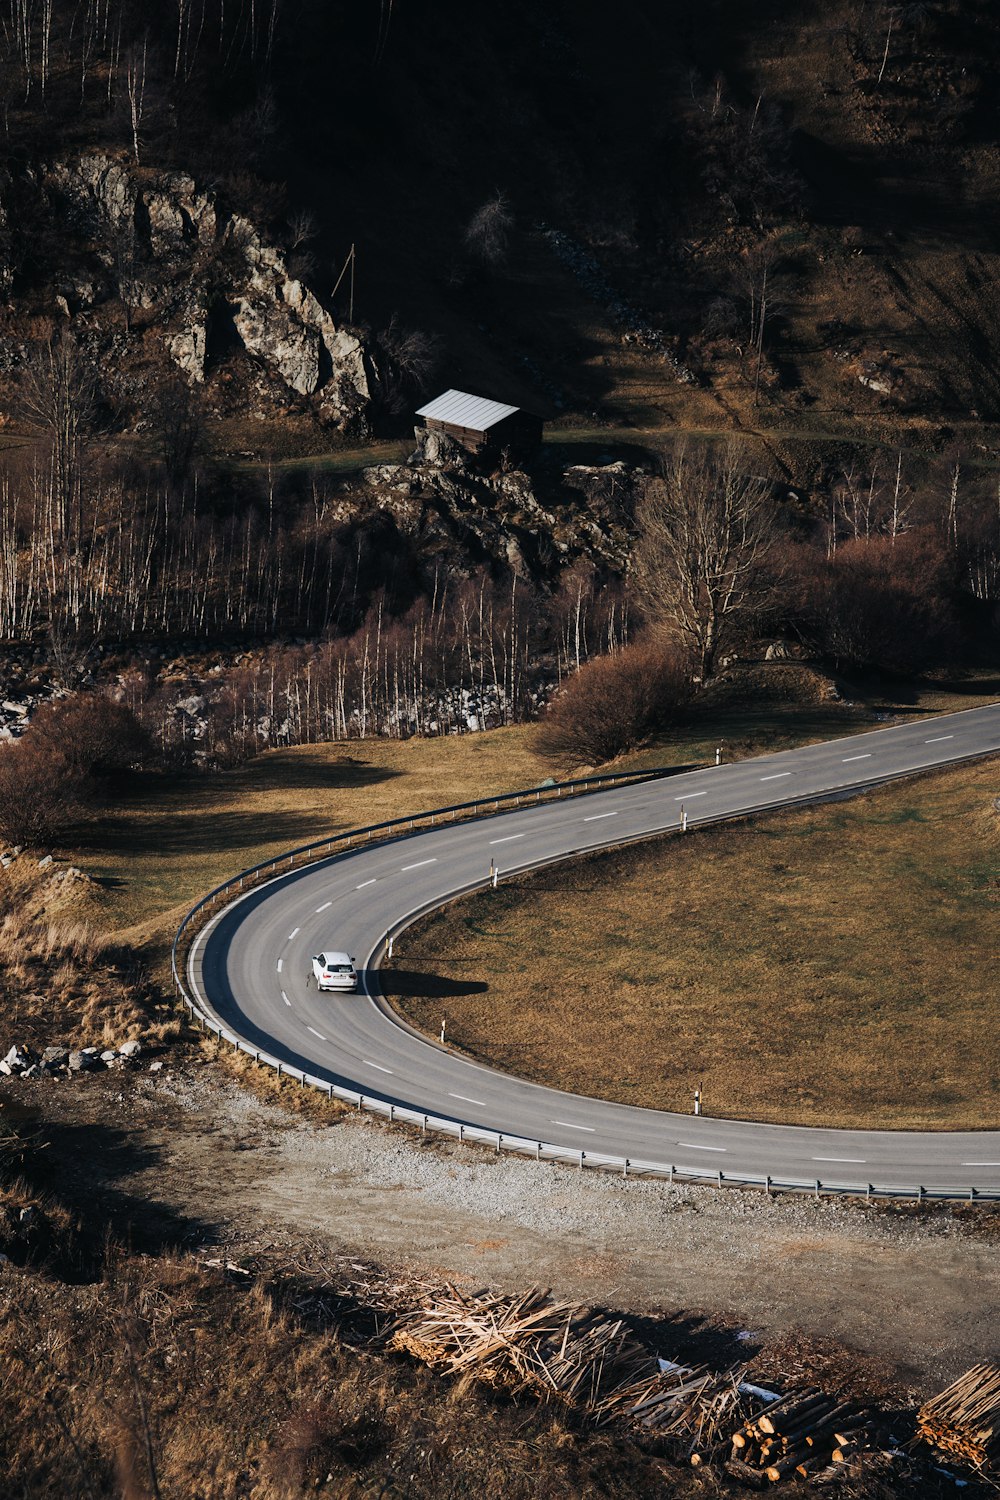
[[171, 250], [459, 511]]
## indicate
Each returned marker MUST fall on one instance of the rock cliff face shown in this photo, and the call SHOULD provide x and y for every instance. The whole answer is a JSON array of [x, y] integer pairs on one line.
[[196, 278]]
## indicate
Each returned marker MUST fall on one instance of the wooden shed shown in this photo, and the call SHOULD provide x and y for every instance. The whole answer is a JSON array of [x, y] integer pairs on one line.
[[482, 425]]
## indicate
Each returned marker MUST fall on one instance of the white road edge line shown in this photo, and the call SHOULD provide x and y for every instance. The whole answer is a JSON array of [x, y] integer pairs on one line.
[[867, 756], [688, 795], [285, 998], [316, 1033], [323, 907], [857, 1161], [777, 776], [368, 1064], [466, 1100], [594, 816], [568, 1125], [364, 883], [938, 739], [294, 933], [418, 866], [690, 1146], [504, 841]]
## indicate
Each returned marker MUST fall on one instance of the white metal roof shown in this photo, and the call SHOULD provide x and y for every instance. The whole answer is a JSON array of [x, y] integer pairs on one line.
[[463, 410]]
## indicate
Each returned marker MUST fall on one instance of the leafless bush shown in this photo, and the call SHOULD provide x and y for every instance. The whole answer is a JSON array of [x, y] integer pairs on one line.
[[612, 703], [409, 360]]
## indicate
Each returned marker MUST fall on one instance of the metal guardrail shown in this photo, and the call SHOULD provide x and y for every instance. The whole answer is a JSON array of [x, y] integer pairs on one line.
[[456, 1129]]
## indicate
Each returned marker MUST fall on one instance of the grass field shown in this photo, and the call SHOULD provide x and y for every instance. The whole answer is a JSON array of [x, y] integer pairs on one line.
[[834, 965]]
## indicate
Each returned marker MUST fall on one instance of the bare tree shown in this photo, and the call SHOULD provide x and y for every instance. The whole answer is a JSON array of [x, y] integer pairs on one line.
[[135, 84], [706, 534], [58, 394], [487, 235]]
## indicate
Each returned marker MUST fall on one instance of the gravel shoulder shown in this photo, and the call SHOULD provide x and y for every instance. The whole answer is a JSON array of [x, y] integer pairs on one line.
[[189, 1158]]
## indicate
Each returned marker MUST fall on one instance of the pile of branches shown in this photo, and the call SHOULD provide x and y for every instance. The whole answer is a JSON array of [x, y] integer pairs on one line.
[[530, 1343], [963, 1422]]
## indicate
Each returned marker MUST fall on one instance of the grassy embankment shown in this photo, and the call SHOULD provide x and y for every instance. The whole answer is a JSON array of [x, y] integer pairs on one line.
[[833, 965]]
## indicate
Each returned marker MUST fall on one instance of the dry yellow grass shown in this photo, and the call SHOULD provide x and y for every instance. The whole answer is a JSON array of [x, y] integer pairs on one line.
[[834, 965]]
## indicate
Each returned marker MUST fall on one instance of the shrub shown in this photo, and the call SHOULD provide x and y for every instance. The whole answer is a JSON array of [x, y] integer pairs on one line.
[[612, 703], [95, 735], [41, 792]]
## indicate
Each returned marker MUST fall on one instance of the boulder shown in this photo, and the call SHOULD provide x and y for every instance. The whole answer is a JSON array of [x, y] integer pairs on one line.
[[130, 1049], [19, 1058], [188, 348], [166, 224], [271, 333], [55, 1057], [96, 183], [84, 1061]]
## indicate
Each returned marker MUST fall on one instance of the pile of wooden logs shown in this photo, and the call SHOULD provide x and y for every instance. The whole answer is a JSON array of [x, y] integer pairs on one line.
[[556, 1349], [695, 1409], [800, 1434], [963, 1422]]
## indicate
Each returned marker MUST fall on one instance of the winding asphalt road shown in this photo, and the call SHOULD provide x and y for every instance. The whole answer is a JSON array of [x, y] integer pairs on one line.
[[250, 967]]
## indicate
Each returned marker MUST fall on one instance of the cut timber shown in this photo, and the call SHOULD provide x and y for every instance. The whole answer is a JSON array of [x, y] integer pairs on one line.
[[963, 1422]]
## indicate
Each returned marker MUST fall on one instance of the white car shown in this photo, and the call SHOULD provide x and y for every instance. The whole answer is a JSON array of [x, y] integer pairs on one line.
[[334, 971]]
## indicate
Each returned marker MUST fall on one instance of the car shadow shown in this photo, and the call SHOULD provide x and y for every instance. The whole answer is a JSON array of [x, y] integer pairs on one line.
[[420, 984]]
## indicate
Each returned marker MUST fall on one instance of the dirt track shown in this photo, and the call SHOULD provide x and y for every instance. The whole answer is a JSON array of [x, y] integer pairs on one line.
[[189, 1158]]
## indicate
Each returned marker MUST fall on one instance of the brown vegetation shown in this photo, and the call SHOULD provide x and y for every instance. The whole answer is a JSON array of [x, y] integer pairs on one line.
[[51, 778], [613, 703], [61, 979]]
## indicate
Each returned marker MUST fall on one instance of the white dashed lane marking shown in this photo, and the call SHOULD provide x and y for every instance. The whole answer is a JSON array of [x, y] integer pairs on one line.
[[418, 866], [568, 1125], [938, 738], [364, 883], [280, 963], [466, 1100], [867, 756], [368, 1064], [856, 1161], [594, 816], [285, 998], [776, 776], [688, 796], [690, 1146], [294, 933], [316, 1033], [323, 907], [506, 840]]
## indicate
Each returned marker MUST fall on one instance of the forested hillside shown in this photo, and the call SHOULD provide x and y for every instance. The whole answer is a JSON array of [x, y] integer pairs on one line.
[[241, 240]]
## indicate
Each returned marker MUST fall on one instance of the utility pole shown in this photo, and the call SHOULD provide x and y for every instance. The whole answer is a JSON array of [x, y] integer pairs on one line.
[[347, 266]]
